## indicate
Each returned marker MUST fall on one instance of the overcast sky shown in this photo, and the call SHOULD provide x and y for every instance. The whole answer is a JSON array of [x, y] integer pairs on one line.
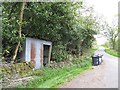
[[106, 8]]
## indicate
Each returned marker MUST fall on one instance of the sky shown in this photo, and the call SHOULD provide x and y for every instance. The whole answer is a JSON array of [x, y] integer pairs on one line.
[[106, 8]]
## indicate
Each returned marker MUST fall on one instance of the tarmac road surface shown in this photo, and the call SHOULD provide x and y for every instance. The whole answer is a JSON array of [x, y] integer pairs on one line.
[[101, 76]]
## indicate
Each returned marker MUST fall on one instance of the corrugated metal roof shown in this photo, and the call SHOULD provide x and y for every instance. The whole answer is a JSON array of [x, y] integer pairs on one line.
[[43, 41]]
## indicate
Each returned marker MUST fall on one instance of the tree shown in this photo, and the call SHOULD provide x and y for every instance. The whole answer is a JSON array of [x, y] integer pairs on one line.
[[58, 22], [112, 34], [20, 29]]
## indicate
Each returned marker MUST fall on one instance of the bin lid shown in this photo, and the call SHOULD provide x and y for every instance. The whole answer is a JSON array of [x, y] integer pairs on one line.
[[95, 56]]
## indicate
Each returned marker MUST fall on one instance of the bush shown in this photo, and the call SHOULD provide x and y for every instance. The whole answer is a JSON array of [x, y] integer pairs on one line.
[[82, 61], [59, 53]]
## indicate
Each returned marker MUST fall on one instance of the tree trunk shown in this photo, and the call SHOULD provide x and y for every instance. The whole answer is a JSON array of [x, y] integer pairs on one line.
[[113, 45], [20, 28]]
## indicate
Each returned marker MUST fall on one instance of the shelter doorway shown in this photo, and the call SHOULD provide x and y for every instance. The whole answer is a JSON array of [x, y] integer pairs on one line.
[[46, 51]]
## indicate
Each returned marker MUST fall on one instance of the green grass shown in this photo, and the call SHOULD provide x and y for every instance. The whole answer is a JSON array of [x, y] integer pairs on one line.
[[112, 52], [66, 75], [52, 78]]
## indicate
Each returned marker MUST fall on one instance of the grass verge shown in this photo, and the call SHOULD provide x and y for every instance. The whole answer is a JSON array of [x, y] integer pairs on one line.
[[68, 74], [54, 77], [112, 52]]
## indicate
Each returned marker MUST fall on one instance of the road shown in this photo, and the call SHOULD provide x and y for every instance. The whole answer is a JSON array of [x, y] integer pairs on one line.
[[101, 76]]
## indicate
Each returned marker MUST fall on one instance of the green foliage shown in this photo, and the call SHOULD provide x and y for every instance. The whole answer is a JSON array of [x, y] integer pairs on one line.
[[82, 61], [112, 34], [49, 77], [58, 22], [10, 20], [109, 48], [59, 53], [91, 51], [53, 77], [112, 52], [117, 45]]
